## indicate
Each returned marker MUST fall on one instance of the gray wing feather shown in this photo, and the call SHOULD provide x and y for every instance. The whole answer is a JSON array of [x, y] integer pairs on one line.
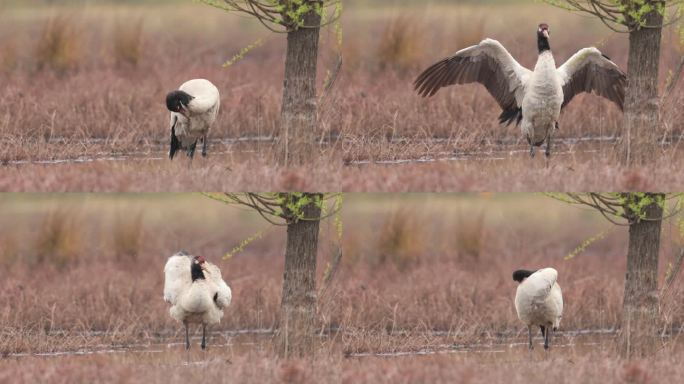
[[590, 71], [487, 63]]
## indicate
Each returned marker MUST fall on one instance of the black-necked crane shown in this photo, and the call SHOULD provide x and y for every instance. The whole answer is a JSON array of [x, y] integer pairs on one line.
[[194, 107], [196, 291], [539, 301], [533, 99]]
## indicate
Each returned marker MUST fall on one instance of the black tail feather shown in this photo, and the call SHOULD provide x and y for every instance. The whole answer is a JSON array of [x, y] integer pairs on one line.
[[175, 144], [509, 115]]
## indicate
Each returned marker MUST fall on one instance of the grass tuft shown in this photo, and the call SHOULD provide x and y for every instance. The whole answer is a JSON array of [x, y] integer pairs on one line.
[[127, 235], [58, 240], [470, 234], [128, 42], [399, 240], [400, 46], [59, 45]]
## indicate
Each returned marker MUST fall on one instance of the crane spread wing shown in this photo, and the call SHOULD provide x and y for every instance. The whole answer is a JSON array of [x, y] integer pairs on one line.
[[487, 63], [589, 70]]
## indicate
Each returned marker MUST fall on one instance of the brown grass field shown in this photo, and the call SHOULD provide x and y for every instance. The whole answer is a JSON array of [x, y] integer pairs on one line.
[[423, 292], [83, 91]]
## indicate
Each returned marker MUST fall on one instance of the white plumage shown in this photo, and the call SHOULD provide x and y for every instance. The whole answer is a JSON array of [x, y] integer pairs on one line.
[[534, 98], [194, 107], [539, 301], [196, 291]]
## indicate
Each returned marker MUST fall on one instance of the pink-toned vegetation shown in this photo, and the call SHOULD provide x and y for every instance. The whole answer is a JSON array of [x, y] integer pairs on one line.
[[568, 365], [419, 273], [89, 84]]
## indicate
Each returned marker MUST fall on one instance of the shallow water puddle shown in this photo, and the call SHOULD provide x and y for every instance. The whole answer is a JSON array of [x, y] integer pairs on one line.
[[106, 158], [506, 342], [167, 341], [469, 156], [138, 349], [225, 140], [483, 349], [492, 151], [512, 344], [82, 352]]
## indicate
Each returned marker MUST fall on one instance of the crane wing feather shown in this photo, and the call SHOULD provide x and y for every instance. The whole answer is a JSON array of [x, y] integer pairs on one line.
[[223, 294], [539, 284], [205, 96], [177, 277], [487, 63], [589, 70]]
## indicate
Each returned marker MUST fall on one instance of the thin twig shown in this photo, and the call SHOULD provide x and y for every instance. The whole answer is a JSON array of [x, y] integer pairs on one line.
[[674, 273], [675, 78]]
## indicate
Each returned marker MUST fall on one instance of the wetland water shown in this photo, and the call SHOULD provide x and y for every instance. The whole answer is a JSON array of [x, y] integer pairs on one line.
[[244, 341], [395, 150]]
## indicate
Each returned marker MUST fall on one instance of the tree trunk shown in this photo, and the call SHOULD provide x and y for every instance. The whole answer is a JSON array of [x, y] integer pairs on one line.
[[297, 140], [638, 145], [638, 336], [298, 308]]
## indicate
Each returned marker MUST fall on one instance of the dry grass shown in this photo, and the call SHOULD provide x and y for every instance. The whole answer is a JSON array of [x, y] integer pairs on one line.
[[244, 171], [407, 280], [59, 47], [567, 172], [127, 236], [399, 48], [100, 94], [571, 365], [58, 240], [128, 44], [218, 173]]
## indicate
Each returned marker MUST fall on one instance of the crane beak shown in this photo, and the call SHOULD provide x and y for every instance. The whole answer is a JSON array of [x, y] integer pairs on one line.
[[545, 32]]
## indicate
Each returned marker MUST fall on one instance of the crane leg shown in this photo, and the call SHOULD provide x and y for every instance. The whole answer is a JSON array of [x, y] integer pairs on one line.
[[187, 337], [204, 336], [204, 146], [191, 150], [531, 143], [547, 152], [547, 338], [529, 334]]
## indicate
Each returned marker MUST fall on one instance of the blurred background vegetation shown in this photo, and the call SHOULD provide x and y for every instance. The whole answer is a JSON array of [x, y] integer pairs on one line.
[[346, 2], [411, 262]]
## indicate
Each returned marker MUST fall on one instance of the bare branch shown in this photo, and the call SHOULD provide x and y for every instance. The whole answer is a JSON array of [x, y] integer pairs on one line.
[[623, 16], [274, 207], [675, 271], [281, 16], [618, 206], [330, 271], [675, 78]]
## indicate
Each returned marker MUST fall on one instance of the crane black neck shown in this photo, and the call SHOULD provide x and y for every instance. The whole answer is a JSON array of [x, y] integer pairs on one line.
[[196, 271], [542, 43]]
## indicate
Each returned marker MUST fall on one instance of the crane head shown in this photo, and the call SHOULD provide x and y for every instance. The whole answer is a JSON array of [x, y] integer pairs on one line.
[[521, 274], [544, 30]]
